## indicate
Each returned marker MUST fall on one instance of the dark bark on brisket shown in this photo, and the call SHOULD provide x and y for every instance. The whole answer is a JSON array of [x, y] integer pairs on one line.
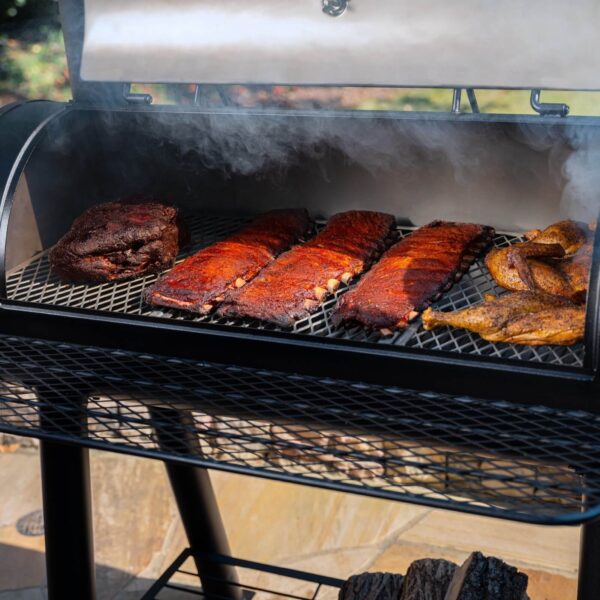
[[372, 586], [427, 579], [118, 240], [483, 578]]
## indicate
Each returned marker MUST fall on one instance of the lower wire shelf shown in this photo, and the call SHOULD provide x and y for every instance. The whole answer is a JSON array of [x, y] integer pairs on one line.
[[255, 581], [501, 459]]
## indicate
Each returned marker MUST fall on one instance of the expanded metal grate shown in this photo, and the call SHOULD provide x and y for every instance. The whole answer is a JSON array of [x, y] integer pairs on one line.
[[496, 458], [33, 282], [256, 581]]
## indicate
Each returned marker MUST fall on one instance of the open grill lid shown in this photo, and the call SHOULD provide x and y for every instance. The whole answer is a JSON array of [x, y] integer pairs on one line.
[[429, 43]]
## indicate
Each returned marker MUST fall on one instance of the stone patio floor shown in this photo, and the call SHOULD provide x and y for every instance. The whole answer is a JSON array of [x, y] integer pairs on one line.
[[138, 533]]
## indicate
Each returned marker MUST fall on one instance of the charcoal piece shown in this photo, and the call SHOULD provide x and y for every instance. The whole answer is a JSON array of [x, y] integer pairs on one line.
[[428, 579], [119, 240], [490, 578], [372, 586]]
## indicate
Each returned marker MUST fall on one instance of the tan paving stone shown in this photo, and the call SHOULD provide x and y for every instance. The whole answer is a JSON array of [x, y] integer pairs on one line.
[[398, 557], [549, 586], [554, 549], [271, 521], [137, 532], [21, 486], [133, 509]]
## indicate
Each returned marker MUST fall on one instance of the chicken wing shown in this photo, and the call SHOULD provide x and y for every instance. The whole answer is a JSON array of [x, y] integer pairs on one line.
[[548, 262], [528, 318]]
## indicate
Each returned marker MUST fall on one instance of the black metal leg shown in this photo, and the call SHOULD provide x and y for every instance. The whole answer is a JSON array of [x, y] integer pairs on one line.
[[589, 562], [196, 502], [67, 506]]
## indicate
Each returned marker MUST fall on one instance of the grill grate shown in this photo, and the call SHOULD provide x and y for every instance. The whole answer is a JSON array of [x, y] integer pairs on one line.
[[33, 282], [495, 458], [256, 581]]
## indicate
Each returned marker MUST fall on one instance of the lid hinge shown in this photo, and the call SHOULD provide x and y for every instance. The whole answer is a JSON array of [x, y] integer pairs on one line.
[[548, 109]]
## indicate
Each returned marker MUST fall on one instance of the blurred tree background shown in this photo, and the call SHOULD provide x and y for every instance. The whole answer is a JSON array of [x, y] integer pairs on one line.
[[32, 56], [33, 65]]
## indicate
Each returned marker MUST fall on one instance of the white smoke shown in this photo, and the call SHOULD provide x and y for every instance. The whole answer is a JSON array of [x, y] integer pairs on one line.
[[581, 170]]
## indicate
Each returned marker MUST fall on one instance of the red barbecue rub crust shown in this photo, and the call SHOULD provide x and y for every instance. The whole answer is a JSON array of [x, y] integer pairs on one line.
[[118, 240], [201, 281], [411, 273], [298, 281]]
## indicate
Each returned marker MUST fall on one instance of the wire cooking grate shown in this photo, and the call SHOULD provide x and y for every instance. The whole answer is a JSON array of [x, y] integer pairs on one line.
[[495, 458], [33, 282]]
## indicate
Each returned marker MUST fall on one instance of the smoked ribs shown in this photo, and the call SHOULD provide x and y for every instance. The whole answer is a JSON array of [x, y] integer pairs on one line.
[[296, 284], [412, 273], [201, 281]]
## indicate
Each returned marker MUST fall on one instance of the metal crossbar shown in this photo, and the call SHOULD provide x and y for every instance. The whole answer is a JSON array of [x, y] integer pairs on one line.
[[258, 581]]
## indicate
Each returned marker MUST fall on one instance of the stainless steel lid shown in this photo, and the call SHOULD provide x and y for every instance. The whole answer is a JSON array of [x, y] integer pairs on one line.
[[429, 43]]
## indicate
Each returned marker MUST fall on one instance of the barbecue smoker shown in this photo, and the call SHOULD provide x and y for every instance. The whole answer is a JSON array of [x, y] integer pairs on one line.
[[440, 417]]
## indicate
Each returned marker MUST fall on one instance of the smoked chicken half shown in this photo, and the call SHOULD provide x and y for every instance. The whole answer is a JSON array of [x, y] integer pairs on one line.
[[555, 261], [529, 318]]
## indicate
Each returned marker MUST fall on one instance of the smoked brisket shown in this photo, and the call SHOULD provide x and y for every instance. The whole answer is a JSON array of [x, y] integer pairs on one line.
[[118, 240]]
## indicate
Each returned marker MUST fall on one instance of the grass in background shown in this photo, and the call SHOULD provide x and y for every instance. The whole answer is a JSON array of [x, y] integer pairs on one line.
[[490, 101]]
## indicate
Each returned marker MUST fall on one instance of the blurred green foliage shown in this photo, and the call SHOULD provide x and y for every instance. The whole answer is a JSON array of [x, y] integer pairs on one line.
[[32, 56], [35, 69]]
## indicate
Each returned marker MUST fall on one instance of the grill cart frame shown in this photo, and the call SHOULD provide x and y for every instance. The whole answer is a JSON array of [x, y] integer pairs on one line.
[[360, 419]]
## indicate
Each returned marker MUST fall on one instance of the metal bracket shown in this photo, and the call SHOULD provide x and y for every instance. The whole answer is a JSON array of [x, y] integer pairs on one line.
[[456, 100], [201, 99], [547, 109], [334, 8], [132, 98], [456, 96]]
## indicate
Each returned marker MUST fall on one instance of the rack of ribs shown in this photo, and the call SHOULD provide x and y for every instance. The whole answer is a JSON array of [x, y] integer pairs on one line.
[[201, 281], [413, 273], [299, 281]]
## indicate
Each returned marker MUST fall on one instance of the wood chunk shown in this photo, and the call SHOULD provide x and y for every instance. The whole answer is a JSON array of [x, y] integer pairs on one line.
[[372, 586], [481, 577], [428, 579]]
